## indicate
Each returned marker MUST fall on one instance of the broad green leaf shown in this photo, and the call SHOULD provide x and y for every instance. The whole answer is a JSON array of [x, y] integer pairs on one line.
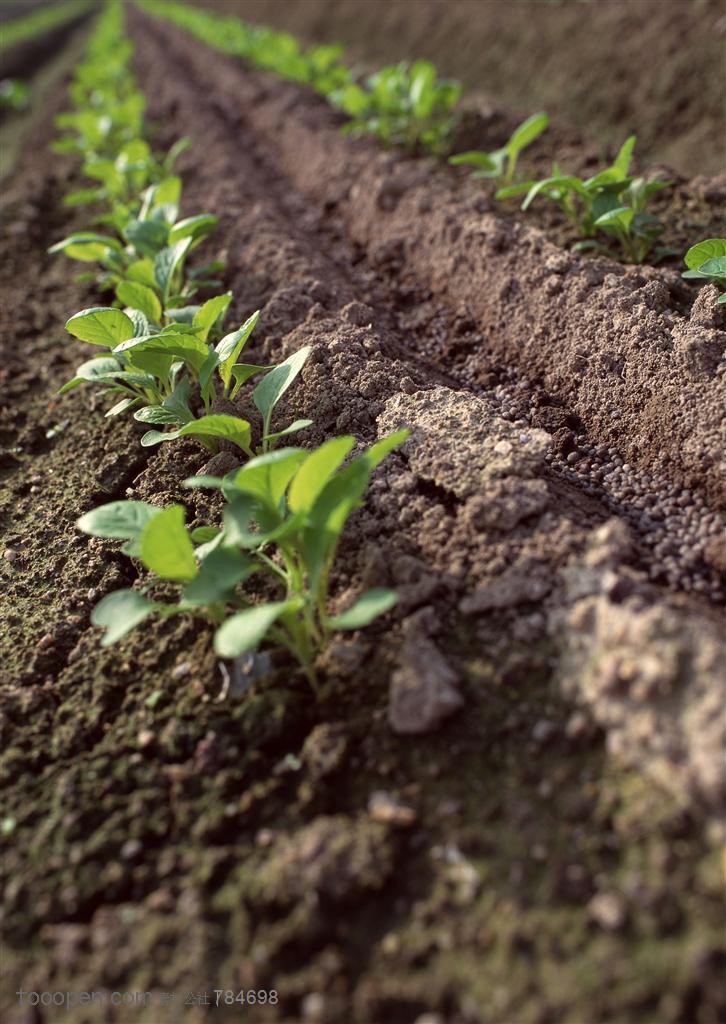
[[242, 372], [621, 164], [120, 520], [219, 573], [214, 482], [86, 246], [337, 500], [172, 343], [270, 390], [708, 249], [175, 152], [267, 476], [203, 534], [714, 267], [206, 377], [101, 325], [210, 313], [246, 630], [167, 262], [94, 368], [621, 216], [220, 427], [183, 315], [526, 133], [154, 437], [141, 323], [378, 451], [166, 548], [193, 228], [119, 613], [156, 414], [142, 271], [511, 191], [367, 608], [148, 237], [230, 347], [560, 184], [178, 401], [82, 197], [140, 296], [316, 470], [166, 194]]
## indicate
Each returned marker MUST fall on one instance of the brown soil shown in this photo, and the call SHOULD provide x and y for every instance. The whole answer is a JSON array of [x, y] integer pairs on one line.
[[609, 67], [548, 854]]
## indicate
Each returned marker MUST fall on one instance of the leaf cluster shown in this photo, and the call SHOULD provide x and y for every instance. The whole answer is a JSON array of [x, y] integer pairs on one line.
[[501, 164], [160, 346], [14, 95], [706, 261], [612, 203], [403, 104], [284, 514], [161, 351]]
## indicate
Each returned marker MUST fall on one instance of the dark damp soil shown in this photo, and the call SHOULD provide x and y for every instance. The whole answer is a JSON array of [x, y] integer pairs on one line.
[[654, 68], [166, 833]]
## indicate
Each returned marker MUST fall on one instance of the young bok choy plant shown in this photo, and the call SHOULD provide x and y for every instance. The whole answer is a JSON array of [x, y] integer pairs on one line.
[[404, 104], [152, 370], [282, 523], [501, 164], [706, 261], [612, 202]]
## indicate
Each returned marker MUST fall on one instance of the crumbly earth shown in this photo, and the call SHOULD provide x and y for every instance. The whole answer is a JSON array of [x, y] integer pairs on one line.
[[507, 805]]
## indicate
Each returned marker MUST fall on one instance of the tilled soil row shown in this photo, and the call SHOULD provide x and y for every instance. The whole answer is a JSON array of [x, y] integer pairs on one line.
[[264, 841], [483, 472], [631, 389]]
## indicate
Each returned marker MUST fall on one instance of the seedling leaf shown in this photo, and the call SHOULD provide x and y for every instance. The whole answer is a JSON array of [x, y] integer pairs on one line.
[[367, 608], [270, 390], [119, 613], [246, 630], [166, 548], [101, 325]]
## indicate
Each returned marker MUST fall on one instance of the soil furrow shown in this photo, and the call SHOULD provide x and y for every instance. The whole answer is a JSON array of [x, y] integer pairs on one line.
[[372, 856], [538, 307], [681, 535]]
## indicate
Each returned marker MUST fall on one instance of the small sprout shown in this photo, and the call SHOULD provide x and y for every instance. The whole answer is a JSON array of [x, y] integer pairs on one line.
[[706, 261], [501, 164], [611, 202], [283, 519]]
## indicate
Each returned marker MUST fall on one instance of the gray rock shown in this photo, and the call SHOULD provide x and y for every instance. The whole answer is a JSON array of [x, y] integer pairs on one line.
[[518, 586], [424, 690]]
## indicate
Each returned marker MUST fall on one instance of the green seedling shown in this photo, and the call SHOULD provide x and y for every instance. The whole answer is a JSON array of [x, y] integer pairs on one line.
[[501, 164], [40, 21], [152, 246], [284, 516], [706, 261], [404, 104], [611, 202], [318, 66], [151, 369], [14, 95]]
